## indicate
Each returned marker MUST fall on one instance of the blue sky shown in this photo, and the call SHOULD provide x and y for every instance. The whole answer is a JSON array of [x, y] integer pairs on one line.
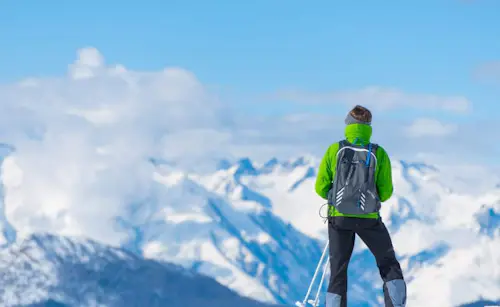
[[246, 49]]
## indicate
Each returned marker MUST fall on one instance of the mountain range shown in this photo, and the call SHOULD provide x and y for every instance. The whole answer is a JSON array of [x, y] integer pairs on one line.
[[48, 270], [255, 230]]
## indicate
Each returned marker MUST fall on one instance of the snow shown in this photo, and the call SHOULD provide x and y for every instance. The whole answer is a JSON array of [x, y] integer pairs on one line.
[[180, 218], [46, 268], [256, 229], [425, 214], [144, 161], [460, 275]]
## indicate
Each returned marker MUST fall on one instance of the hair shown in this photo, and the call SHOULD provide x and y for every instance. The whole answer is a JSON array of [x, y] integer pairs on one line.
[[361, 113]]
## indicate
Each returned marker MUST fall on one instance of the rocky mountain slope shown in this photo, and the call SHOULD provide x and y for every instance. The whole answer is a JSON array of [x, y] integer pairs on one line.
[[47, 270], [256, 229]]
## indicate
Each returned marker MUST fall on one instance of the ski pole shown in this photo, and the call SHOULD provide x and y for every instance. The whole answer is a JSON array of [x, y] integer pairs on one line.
[[303, 304], [316, 301]]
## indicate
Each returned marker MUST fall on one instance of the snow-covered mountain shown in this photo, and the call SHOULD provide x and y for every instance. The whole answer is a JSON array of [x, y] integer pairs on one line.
[[47, 270], [242, 244], [445, 225], [256, 229]]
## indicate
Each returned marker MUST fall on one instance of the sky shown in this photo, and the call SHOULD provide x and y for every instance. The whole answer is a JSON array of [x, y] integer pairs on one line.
[[91, 91], [249, 49], [282, 72]]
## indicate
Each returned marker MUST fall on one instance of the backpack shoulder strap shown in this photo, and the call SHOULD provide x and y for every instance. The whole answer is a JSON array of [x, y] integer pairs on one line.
[[342, 146], [372, 148], [343, 143], [345, 155]]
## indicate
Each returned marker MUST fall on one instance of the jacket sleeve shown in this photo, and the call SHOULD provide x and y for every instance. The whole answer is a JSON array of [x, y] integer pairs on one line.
[[326, 171], [385, 187]]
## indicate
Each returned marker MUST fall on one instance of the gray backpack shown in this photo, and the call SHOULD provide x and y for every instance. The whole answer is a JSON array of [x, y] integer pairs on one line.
[[354, 190]]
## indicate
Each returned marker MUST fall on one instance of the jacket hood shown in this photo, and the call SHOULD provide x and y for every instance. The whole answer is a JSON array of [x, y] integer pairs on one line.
[[361, 133]]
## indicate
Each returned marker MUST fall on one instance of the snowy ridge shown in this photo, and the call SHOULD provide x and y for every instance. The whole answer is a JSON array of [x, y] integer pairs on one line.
[[249, 251], [255, 228], [7, 232], [68, 272], [445, 234]]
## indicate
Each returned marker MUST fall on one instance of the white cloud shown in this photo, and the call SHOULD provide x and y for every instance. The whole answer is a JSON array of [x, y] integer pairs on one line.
[[379, 98], [89, 60], [427, 127], [83, 141]]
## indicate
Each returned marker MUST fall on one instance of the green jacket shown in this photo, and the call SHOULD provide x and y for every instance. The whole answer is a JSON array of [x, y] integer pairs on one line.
[[383, 171]]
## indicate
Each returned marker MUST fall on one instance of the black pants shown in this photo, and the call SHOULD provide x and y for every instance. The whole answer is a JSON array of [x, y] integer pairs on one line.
[[341, 233]]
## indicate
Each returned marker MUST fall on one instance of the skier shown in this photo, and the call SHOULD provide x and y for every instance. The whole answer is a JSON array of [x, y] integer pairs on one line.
[[355, 177]]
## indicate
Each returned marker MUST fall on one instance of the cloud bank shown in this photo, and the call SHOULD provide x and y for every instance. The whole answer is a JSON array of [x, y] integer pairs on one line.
[[379, 98], [83, 142], [427, 127]]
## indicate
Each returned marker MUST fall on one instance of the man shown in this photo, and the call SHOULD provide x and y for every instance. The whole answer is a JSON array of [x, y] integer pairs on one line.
[[355, 176]]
